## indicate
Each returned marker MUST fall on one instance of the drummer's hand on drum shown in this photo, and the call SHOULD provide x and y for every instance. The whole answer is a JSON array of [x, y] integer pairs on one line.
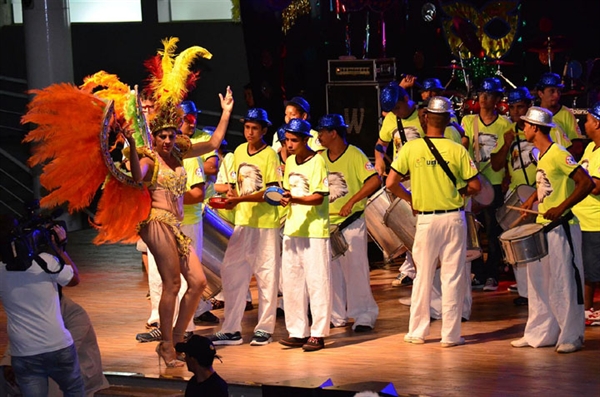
[[346, 209], [285, 200], [553, 213]]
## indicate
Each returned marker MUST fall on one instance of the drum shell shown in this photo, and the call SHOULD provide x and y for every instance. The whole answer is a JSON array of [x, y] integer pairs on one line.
[[525, 248], [485, 196], [216, 232], [400, 219], [339, 246], [507, 217], [474, 250], [383, 236]]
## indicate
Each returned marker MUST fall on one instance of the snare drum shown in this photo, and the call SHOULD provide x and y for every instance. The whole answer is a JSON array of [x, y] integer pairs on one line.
[[273, 195], [400, 218], [507, 217], [474, 250], [391, 246], [485, 196], [339, 246], [523, 244]]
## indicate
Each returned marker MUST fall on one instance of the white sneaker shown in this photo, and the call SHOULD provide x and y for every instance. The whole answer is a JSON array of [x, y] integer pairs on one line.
[[460, 342], [413, 339], [519, 343], [568, 347], [405, 300]]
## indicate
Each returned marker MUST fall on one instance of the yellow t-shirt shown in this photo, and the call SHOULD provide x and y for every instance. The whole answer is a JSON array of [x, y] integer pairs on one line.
[[313, 142], [588, 209], [553, 182], [559, 136], [567, 121], [303, 180], [194, 168], [520, 162], [203, 136], [347, 175], [254, 173], [491, 139], [389, 129], [226, 175], [431, 188], [452, 133]]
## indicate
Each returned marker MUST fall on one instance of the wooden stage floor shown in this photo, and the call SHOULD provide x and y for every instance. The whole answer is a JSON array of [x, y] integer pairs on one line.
[[113, 290]]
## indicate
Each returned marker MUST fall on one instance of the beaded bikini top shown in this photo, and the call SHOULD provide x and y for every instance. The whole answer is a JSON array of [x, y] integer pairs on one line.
[[173, 181]]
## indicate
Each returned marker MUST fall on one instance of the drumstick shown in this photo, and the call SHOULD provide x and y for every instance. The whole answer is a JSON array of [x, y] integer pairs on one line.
[[517, 221], [524, 210], [278, 170]]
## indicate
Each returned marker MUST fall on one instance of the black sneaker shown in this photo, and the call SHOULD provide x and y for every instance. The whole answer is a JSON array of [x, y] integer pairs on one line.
[[313, 344], [293, 342], [402, 280], [476, 284], [187, 335], [222, 338], [520, 301], [217, 304], [206, 317], [152, 325], [153, 335], [249, 306], [363, 328], [261, 338]]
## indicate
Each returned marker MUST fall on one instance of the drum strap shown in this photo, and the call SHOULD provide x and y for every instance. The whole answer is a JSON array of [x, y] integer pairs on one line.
[[401, 130], [564, 221], [476, 140], [348, 221], [521, 157], [440, 159]]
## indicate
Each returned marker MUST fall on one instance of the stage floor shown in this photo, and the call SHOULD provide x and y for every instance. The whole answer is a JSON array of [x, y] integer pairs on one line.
[[113, 290]]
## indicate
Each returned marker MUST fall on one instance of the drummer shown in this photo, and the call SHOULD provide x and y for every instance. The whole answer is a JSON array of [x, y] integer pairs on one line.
[[254, 246], [556, 311], [352, 178], [588, 213], [490, 127], [441, 226]]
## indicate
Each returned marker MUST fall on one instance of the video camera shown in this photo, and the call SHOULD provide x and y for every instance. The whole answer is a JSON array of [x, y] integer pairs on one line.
[[30, 236]]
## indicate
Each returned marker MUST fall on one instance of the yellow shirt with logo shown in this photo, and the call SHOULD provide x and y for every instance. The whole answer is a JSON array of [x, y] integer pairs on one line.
[[567, 121], [254, 173], [552, 178], [431, 188], [389, 129], [588, 209], [303, 180], [520, 162], [194, 168], [347, 175], [491, 139]]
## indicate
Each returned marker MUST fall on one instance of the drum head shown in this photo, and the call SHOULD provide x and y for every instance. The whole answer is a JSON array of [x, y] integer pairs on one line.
[[217, 202], [273, 195], [524, 192], [521, 231]]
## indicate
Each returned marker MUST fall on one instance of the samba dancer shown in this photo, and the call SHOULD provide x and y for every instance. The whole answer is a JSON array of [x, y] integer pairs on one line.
[[556, 312], [161, 231], [588, 213], [441, 219], [254, 246], [352, 178]]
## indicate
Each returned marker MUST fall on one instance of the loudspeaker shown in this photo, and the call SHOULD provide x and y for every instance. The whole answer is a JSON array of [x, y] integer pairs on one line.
[[359, 105]]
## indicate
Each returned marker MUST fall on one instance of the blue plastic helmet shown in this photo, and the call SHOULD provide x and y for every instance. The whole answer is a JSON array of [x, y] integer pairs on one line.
[[519, 94]]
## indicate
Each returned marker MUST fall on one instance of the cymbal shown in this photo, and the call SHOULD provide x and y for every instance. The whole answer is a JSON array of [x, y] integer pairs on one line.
[[453, 66], [571, 93], [556, 44], [500, 62]]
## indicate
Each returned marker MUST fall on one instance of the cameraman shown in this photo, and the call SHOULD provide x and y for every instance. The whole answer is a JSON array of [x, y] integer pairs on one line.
[[41, 346]]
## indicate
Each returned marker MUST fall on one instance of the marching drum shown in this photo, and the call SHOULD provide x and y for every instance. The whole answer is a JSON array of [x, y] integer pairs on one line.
[[507, 217], [384, 237], [339, 246], [474, 250], [400, 219], [485, 196], [523, 244], [216, 234]]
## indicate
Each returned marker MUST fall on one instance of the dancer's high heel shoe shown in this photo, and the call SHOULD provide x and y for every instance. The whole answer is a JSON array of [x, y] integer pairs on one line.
[[174, 363]]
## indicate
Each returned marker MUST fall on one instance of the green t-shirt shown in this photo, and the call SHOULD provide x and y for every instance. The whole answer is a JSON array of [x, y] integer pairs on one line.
[[194, 168], [520, 162], [347, 175], [431, 188], [491, 139], [567, 121], [389, 129], [254, 173], [303, 180], [588, 209], [553, 180]]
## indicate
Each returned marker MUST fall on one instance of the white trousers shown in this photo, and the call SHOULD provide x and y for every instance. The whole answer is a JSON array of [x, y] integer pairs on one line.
[[155, 282], [408, 266], [436, 294], [439, 237], [555, 318], [305, 266], [350, 281], [251, 251], [521, 279]]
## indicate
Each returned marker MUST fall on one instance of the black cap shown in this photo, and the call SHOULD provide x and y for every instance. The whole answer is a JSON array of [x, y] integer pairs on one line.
[[200, 348]]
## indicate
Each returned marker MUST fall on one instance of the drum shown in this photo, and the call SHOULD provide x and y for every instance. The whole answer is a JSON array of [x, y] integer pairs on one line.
[[377, 205], [273, 195], [485, 196], [502, 107], [507, 217], [399, 217], [216, 235], [339, 246], [523, 244], [471, 106], [474, 250], [217, 202]]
